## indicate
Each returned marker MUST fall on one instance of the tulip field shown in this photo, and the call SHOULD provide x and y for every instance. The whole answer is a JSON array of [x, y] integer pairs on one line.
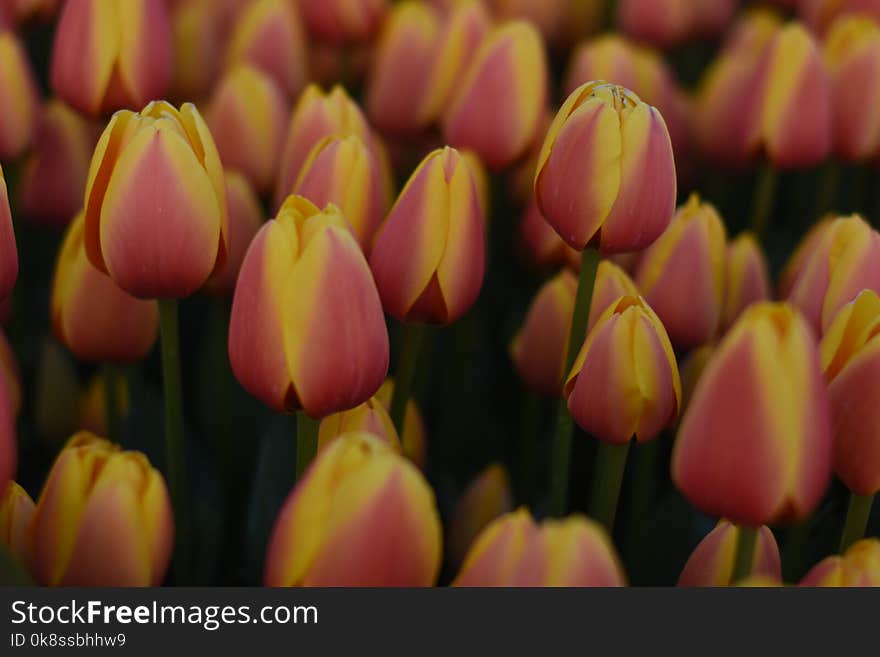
[[478, 293]]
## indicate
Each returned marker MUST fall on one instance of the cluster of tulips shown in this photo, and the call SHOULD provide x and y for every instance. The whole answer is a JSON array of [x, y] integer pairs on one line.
[[380, 138]]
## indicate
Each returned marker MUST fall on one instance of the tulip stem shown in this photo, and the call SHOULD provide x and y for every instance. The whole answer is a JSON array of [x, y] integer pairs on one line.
[[112, 405], [405, 375], [560, 455], [175, 453], [765, 195], [306, 442], [856, 520], [607, 482], [745, 553]]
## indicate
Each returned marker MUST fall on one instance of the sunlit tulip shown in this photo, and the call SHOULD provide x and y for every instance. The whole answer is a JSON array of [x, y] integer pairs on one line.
[[606, 174], [16, 513], [516, 551], [103, 518], [370, 417], [361, 516], [156, 202], [671, 22], [19, 98], [682, 274], [93, 404], [414, 439], [754, 445], [343, 21], [712, 561], [428, 256], [91, 315], [307, 330], [112, 54], [486, 497], [746, 278], [542, 245], [199, 31], [497, 107], [859, 567], [8, 249]]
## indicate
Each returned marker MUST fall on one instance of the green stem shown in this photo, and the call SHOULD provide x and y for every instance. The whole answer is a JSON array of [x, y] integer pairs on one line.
[[560, 455], [405, 374], [745, 553], [112, 407], [607, 482], [175, 453], [306, 442], [765, 195], [856, 520]]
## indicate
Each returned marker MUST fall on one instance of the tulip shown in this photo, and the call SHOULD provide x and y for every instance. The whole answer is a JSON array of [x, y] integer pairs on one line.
[[155, 202], [93, 317], [515, 551], [606, 171], [16, 512], [343, 21], [858, 567], [712, 562], [362, 516], [549, 16], [802, 255], [511, 64], [746, 279], [682, 275], [199, 31], [8, 249], [487, 497], [671, 22], [754, 445], [103, 518], [414, 436], [112, 54], [481, 182], [19, 98], [820, 14], [370, 417], [541, 245], [247, 116], [307, 330]]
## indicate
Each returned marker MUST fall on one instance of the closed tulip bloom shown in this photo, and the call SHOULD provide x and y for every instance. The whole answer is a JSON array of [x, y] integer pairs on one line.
[[624, 382], [754, 445], [307, 330], [19, 98], [8, 249], [361, 516], [112, 54], [487, 497], [370, 417], [343, 21], [103, 518], [671, 22], [747, 280], [415, 437], [606, 174], [682, 274], [16, 512], [542, 246], [91, 315], [156, 202], [511, 64], [712, 562], [248, 116], [428, 256], [859, 567], [516, 551], [199, 32]]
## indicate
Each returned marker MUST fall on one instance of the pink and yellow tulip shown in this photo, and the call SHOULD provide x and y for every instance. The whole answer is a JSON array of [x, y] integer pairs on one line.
[[747, 280], [859, 567], [369, 417], [16, 513], [343, 21], [712, 561], [199, 31], [669, 23], [487, 497], [415, 437], [19, 98]]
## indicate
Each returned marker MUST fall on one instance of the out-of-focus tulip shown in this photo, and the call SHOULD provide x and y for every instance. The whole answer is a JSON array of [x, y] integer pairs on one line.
[[487, 497], [754, 445], [343, 21], [801, 256], [671, 22], [357, 494], [245, 219], [93, 404], [199, 29], [10, 372], [414, 439], [624, 382], [682, 274], [496, 111], [269, 35], [746, 280], [19, 98], [112, 54], [155, 207], [8, 249], [103, 518], [515, 551], [247, 116], [852, 54], [820, 14], [16, 512], [844, 260], [859, 567], [712, 562], [542, 245], [91, 315], [346, 172], [307, 330], [428, 256], [370, 417], [606, 173]]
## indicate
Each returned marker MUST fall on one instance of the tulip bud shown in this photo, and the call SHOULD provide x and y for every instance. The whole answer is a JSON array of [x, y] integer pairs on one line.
[[16, 512], [428, 256], [307, 330], [672, 22], [414, 439], [755, 443], [606, 172], [859, 567], [746, 279], [542, 245], [93, 404], [155, 202], [93, 317], [515, 551], [844, 261], [8, 249], [343, 21], [103, 518], [625, 381], [511, 64], [712, 562], [19, 98], [111, 54], [370, 417], [361, 516], [199, 31], [486, 498]]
